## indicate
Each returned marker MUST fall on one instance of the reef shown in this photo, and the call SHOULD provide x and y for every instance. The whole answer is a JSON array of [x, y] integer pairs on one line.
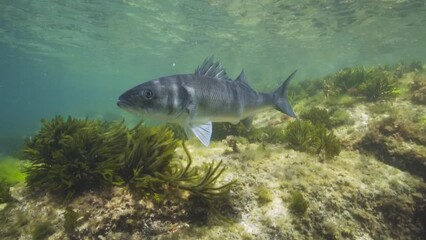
[[398, 142], [351, 167], [418, 89]]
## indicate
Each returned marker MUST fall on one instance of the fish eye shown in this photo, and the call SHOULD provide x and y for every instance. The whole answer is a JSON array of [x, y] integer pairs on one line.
[[147, 94]]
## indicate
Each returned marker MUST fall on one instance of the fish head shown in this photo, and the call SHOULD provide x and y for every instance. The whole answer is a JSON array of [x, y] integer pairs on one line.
[[148, 99]]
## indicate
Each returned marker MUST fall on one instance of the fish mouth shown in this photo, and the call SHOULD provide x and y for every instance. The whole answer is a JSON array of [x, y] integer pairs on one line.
[[122, 103], [128, 106]]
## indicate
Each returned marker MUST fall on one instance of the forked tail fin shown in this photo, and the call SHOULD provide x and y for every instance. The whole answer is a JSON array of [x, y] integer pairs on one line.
[[280, 97]]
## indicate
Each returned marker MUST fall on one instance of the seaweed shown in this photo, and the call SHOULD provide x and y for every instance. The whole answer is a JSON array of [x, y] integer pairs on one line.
[[42, 230], [73, 155], [306, 137], [148, 153], [11, 170], [177, 130], [397, 142], [223, 129], [298, 204], [5, 196], [271, 135], [344, 81], [70, 223], [151, 167], [418, 90], [317, 116], [201, 181], [300, 135], [328, 145], [380, 85], [264, 194], [344, 100], [304, 89], [401, 68], [372, 83], [340, 117]]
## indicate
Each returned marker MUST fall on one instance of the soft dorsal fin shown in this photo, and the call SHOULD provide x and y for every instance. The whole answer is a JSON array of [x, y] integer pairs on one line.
[[241, 80], [211, 68]]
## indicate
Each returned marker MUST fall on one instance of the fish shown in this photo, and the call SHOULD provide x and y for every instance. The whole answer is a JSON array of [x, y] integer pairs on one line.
[[195, 100]]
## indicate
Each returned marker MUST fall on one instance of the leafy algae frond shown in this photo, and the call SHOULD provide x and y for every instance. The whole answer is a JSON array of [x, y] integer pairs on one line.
[[374, 83], [307, 137], [70, 156]]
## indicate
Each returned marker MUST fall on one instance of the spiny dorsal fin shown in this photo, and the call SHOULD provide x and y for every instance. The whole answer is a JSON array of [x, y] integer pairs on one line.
[[241, 80], [212, 69]]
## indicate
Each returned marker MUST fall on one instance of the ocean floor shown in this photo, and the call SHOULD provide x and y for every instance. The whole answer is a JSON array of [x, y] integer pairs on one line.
[[363, 193]]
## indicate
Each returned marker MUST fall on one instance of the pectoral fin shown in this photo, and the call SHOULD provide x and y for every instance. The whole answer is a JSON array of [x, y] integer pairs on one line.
[[203, 132]]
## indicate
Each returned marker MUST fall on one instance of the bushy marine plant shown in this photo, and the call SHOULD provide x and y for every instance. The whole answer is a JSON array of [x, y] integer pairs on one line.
[[148, 153], [298, 204], [69, 156], [300, 135], [317, 116], [151, 167], [72, 155], [379, 85], [372, 83], [42, 230], [70, 223], [11, 170], [306, 137], [418, 89], [5, 192], [344, 81], [328, 145]]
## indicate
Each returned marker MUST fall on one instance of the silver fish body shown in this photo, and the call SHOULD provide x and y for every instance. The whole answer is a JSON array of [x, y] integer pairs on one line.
[[196, 100]]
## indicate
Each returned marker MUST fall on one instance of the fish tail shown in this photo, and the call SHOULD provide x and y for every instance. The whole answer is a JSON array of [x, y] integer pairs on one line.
[[281, 99]]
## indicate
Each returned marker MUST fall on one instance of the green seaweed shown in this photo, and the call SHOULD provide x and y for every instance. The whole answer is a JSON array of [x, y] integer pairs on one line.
[[344, 100], [223, 129], [70, 223], [11, 170], [304, 89], [372, 83], [388, 140], [300, 135], [306, 137], [340, 117], [148, 153], [317, 116], [345, 81], [151, 167], [328, 145], [177, 130], [5, 196], [42, 230], [401, 68], [298, 204], [380, 85], [70, 156], [418, 90], [264, 194]]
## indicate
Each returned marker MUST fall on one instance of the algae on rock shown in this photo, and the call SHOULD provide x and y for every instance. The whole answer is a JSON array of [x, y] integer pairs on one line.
[[399, 143], [73, 155]]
